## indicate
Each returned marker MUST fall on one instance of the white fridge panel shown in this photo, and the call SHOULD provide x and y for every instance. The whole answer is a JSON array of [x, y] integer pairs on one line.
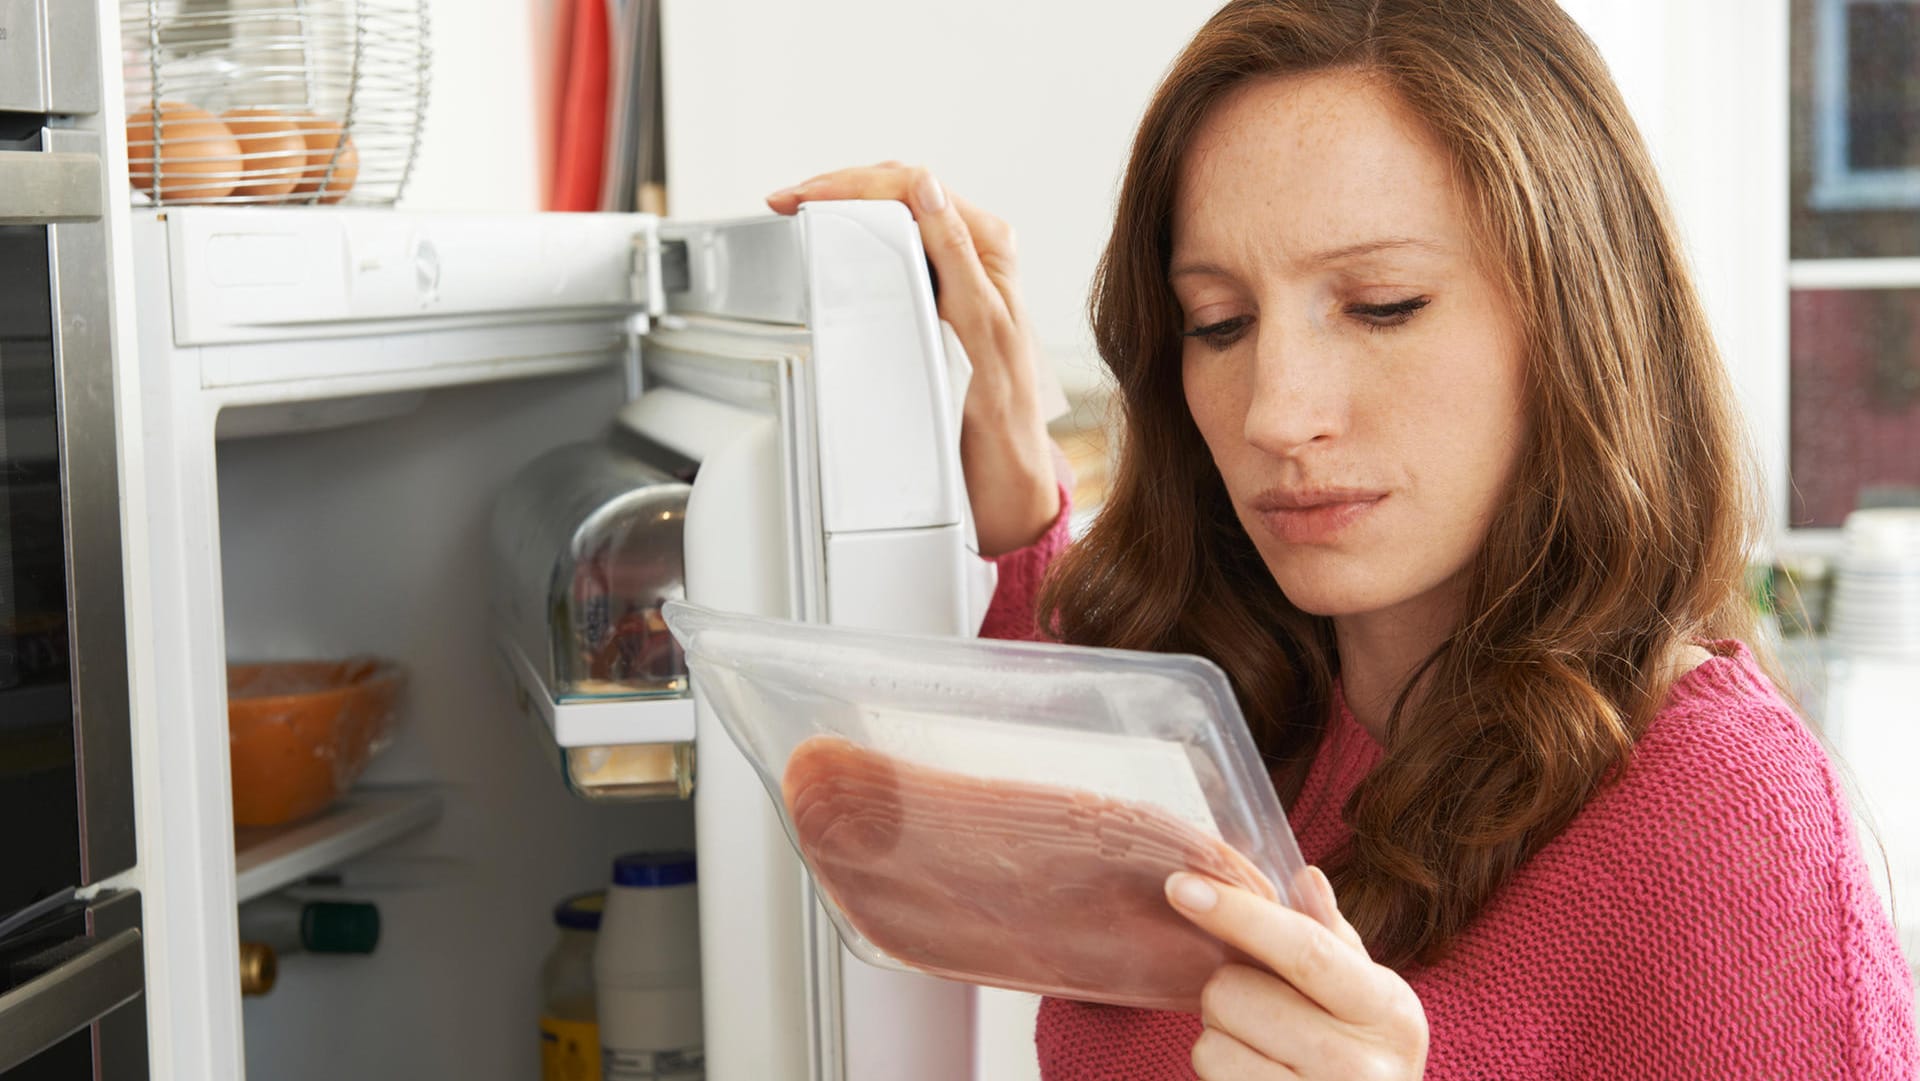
[[902, 580], [854, 273], [285, 370], [888, 445], [743, 270], [899, 580], [752, 933], [252, 273]]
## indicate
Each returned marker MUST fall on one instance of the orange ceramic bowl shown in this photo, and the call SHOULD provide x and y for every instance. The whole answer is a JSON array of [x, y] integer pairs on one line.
[[302, 731]]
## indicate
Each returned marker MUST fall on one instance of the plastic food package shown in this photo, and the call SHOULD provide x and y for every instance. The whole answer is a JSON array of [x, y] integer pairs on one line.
[[997, 812], [301, 732]]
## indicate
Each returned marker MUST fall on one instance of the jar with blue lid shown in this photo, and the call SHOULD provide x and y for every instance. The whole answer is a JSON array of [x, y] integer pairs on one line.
[[647, 970]]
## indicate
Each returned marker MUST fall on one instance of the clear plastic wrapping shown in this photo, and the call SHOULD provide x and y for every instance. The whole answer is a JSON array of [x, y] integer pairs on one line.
[[996, 812], [586, 545], [301, 732]]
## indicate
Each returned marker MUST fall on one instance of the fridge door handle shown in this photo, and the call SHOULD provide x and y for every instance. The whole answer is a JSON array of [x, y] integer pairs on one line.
[[39, 188], [68, 998]]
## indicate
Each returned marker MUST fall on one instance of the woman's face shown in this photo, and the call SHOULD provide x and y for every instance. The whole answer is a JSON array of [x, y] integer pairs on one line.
[[1357, 376]]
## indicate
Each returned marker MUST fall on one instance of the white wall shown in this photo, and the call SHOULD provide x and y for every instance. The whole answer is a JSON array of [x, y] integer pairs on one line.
[[1026, 108], [485, 127], [1706, 81]]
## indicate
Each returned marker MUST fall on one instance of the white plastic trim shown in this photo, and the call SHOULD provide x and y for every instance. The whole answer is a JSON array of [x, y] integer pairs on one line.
[[605, 723]]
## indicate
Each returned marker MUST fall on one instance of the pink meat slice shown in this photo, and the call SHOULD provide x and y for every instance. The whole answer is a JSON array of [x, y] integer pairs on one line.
[[1029, 886]]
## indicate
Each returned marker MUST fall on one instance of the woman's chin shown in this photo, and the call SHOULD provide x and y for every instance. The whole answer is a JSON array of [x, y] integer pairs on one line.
[[1339, 591]]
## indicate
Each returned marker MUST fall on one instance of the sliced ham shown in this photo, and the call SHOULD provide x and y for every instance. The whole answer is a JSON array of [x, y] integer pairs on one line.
[[1028, 886]]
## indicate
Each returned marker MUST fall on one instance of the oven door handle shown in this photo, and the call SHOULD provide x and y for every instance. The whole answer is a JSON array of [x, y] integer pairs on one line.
[[62, 1001], [39, 188]]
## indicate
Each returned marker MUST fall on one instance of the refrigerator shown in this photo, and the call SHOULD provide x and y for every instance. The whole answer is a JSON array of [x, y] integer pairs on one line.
[[329, 403]]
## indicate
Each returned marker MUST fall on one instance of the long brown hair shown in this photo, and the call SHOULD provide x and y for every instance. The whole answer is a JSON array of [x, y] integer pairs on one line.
[[1624, 537]]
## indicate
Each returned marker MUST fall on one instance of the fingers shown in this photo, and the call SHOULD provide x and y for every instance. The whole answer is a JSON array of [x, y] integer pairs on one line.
[[1320, 963], [1004, 450], [993, 237], [1217, 1056], [1316, 898], [888, 180], [974, 300], [1260, 1010], [969, 297]]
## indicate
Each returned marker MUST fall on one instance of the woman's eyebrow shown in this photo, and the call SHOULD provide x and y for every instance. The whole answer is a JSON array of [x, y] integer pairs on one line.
[[1322, 257], [1372, 247], [1196, 270]]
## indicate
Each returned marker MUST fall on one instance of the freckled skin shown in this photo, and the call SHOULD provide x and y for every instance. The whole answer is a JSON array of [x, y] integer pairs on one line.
[[1319, 390]]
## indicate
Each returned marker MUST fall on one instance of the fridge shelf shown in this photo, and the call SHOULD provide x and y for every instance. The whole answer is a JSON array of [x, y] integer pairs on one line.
[[266, 859]]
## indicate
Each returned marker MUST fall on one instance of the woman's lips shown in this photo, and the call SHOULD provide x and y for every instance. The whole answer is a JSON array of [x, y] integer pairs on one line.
[[1316, 523]]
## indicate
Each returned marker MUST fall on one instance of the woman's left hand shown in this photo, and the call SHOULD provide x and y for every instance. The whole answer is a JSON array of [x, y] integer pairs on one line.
[[1320, 1008]]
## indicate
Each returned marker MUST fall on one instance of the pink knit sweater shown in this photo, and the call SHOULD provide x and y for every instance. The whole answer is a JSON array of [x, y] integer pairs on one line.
[[1707, 916]]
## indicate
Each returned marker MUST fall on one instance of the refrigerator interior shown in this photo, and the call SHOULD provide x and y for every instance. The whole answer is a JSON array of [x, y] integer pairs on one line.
[[377, 380], [372, 538]]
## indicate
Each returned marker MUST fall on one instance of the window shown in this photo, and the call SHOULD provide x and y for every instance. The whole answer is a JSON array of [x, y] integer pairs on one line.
[[1854, 317], [1864, 81]]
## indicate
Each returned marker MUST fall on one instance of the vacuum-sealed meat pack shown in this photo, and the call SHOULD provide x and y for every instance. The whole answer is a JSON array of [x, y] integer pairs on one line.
[[1002, 813]]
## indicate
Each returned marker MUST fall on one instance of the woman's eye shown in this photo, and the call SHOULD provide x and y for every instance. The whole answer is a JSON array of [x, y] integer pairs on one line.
[[1222, 334], [1380, 316]]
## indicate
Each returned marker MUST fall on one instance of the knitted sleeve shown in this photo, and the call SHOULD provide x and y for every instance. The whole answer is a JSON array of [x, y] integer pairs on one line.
[[1012, 614], [1749, 939]]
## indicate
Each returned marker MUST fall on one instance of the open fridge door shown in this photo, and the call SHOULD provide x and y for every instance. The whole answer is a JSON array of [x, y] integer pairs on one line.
[[314, 384], [797, 378]]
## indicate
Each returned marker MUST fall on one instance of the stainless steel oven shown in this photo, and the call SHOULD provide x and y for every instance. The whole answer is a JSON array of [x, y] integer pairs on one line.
[[71, 967]]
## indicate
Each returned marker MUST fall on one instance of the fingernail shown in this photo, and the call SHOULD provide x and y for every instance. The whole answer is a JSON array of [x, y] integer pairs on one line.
[[1191, 892], [1323, 906], [929, 194], [1325, 886], [784, 192]]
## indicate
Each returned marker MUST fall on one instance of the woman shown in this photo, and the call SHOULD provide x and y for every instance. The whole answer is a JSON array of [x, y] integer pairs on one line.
[[1429, 447]]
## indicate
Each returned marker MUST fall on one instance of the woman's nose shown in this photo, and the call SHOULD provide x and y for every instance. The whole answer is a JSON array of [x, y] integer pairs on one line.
[[1298, 395]]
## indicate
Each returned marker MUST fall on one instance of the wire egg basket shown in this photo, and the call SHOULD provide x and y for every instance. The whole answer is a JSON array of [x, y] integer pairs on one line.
[[273, 102]]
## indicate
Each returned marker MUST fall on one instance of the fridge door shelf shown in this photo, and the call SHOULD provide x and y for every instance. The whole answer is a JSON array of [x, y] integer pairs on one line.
[[587, 546], [620, 748], [613, 720]]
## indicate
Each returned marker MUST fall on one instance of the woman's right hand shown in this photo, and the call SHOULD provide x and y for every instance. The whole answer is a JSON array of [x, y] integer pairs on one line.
[[1004, 447]]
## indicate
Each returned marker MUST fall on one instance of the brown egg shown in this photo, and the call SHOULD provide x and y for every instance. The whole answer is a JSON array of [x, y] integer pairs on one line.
[[322, 136], [274, 154], [199, 158]]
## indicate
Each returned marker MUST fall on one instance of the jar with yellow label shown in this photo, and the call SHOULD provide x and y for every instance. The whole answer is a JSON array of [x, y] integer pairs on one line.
[[569, 1025]]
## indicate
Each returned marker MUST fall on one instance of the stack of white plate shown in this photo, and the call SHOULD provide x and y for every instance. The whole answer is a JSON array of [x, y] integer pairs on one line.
[[1876, 598]]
